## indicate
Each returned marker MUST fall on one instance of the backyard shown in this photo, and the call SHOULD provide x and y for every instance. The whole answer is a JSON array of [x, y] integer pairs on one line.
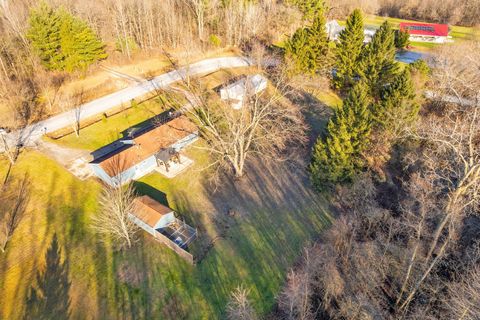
[[277, 215]]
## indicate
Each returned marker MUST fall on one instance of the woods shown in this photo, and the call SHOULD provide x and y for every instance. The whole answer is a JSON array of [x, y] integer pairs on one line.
[[404, 232]]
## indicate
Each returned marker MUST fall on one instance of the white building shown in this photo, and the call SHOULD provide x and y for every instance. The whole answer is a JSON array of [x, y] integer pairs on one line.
[[237, 92], [334, 29]]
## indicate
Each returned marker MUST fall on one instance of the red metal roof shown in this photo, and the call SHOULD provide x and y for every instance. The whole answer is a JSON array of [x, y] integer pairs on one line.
[[425, 29]]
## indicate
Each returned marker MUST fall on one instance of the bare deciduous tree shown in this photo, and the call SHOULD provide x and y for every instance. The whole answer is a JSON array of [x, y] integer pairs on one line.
[[267, 126], [457, 72], [239, 306], [72, 103], [198, 8], [295, 298], [464, 296], [113, 220], [451, 162]]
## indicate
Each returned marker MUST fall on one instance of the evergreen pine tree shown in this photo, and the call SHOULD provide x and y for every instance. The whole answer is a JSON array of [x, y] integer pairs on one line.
[[299, 51], [44, 34], [80, 45], [332, 157], [319, 40], [62, 41], [348, 51], [377, 63], [309, 8], [357, 107], [340, 155], [397, 108], [402, 39]]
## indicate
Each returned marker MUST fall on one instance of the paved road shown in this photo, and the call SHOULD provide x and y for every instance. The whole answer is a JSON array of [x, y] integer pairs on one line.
[[33, 132], [452, 99]]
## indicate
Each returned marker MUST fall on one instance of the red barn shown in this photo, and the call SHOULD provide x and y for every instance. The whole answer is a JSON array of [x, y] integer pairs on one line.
[[426, 32]]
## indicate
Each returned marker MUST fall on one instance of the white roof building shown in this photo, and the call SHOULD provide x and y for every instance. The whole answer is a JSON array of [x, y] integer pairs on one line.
[[334, 29], [238, 91]]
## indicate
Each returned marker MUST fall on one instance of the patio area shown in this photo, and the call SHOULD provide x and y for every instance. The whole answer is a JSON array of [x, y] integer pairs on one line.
[[174, 167]]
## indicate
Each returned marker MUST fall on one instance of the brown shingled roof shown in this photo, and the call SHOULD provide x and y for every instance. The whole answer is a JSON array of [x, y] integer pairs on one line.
[[147, 144], [149, 210]]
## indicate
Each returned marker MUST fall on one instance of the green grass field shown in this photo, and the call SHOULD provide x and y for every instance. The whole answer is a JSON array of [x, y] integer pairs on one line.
[[110, 129], [255, 250]]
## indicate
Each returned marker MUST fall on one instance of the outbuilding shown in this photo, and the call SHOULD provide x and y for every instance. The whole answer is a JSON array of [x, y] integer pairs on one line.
[[162, 223], [236, 93], [426, 32]]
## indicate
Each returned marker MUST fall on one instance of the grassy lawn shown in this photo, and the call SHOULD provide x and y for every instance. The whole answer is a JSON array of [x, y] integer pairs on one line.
[[112, 128], [279, 216], [108, 130], [329, 98]]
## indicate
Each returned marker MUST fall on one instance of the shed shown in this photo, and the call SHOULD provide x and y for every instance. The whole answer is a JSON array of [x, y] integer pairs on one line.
[[236, 92], [151, 215], [161, 223]]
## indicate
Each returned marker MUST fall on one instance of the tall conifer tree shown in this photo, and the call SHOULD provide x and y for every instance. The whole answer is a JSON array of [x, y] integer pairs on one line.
[[348, 51], [377, 64], [397, 108], [332, 157], [63, 41], [44, 34], [357, 106], [79, 44], [338, 156], [299, 51], [309, 8], [319, 40]]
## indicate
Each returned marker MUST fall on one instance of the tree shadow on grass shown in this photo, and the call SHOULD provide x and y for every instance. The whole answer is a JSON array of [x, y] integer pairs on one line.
[[276, 215], [315, 112], [49, 297]]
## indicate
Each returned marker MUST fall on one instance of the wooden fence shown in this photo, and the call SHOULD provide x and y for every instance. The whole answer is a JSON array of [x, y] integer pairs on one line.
[[175, 247]]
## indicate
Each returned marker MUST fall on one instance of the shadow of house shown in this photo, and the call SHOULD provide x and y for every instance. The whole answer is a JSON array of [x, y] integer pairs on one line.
[[49, 297], [144, 189], [137, 154]]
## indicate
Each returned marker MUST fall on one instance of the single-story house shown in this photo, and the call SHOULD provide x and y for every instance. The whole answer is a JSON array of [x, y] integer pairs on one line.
[[160, 221], [143, 150], [426, 32], [235, 93]]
